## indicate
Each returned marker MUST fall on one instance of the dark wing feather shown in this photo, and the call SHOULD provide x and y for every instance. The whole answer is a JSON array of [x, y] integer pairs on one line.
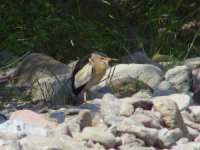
[[79, 65]]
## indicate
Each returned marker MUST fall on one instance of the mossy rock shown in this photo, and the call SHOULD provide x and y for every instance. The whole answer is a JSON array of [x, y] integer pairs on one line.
[[128, 86], [161, 58]]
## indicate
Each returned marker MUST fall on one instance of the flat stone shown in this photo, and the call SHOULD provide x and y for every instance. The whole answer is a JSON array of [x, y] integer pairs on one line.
[[105, 138], [32, 118], [59, 142], [21, 127]]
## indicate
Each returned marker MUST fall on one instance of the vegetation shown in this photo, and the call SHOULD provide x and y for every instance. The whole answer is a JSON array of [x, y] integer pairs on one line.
[[72, 28]]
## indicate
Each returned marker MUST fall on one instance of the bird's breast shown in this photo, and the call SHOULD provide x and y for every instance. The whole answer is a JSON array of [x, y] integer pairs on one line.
[[99, 71]]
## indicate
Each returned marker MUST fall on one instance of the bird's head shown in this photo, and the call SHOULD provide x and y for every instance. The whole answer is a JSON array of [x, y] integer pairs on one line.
[[97, 56]]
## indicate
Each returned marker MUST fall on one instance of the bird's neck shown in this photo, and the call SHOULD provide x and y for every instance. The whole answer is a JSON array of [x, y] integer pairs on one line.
[[100, 67]]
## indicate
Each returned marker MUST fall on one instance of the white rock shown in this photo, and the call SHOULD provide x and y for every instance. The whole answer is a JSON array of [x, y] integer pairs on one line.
[[192, 62], [105, 138], [196, 111], [147, 118], [180, 77], [167, 138], [188, 146], [182, 141], [21, 127], [193, 133], [149, 135], [58, 142], [126, 109], [130, 138], [10, 145], [135, 147], [183, 101], [149, 74]]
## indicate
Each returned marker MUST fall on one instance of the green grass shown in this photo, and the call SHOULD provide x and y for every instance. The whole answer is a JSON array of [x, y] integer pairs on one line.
[[70, 29]]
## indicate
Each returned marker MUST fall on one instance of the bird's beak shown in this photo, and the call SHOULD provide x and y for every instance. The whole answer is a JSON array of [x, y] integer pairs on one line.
[[108, 59]]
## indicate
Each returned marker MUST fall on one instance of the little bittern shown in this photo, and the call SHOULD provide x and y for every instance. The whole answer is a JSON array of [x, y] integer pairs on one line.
[[88, 72]]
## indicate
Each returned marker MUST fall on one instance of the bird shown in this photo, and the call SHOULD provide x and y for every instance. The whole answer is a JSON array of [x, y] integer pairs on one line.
[[88, 72]]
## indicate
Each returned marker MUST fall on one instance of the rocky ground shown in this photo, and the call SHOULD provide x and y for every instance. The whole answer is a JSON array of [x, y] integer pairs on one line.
[[139, 107]]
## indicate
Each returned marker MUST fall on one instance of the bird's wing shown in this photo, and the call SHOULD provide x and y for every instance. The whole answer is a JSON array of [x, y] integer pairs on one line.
[[83, 76]]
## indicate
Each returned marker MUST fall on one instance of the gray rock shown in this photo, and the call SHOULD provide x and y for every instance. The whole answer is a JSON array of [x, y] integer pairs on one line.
[[36, 66], [59, 117], [164, 88], [189, 146], [3, 118], [179, 77], [105, 138], [148, 74], [149, 135], [167, 138], [170, 114], [196, 80], [196, 97], [58, 142], [21, 127], [192, 62]]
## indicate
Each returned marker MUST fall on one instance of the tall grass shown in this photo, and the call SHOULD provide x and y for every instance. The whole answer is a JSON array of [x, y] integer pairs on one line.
[[72, 28]]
